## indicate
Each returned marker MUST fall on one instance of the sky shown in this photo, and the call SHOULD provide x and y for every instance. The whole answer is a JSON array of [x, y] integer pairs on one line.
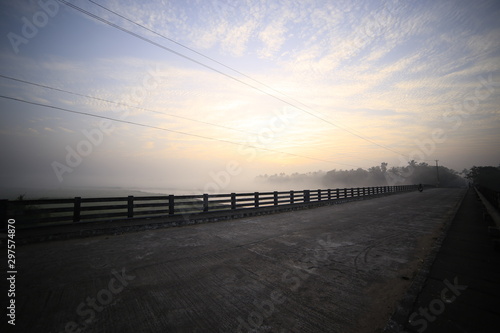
[[208, 94]]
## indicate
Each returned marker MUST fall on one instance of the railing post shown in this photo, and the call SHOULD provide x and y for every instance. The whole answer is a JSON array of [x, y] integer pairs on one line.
[[130, 206], [329, 194], [76, 209], [233, 200], [337, 193], [345, 193], [205, 202], [171, 204], [291, 197], [319, 194], [275, 195], [256, 199], [306, 195]]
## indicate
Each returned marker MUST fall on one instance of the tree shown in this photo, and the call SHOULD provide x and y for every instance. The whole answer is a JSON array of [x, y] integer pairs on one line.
[[413, 173], [486, 176], [383, 167]]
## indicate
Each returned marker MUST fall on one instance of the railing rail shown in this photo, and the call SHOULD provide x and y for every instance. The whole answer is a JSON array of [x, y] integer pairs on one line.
[[51, 211], [493, 196]]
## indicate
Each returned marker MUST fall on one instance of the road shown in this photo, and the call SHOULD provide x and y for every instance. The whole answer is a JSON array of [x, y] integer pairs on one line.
[[339, 268]]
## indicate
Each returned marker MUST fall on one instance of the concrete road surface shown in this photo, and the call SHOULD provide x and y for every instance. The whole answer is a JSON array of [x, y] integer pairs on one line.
[[338, 268]]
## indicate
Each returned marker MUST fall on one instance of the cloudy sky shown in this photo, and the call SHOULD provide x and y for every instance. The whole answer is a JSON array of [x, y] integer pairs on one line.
[[194, 93]]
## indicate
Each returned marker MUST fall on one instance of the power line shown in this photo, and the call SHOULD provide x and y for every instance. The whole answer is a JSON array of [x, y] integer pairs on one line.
[[345, 128], [214, 60], [139, 108], [350, 131], [214, 69], [170, 130], [196, 52], [124, 104]]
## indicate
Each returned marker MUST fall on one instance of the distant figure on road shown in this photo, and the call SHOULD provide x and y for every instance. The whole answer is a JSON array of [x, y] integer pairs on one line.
[[420, 188]]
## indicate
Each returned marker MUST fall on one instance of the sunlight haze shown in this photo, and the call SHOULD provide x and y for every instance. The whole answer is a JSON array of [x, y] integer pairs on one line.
[[199, 90]]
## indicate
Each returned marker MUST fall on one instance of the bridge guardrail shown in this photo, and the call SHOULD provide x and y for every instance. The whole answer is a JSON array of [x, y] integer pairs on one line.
[[46, 212]]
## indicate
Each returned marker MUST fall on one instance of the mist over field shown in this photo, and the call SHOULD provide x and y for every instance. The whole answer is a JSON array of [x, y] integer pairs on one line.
[[208, 97], [231, 180]]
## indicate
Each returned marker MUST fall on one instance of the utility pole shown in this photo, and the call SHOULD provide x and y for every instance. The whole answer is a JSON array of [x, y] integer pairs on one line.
[[437, 172]]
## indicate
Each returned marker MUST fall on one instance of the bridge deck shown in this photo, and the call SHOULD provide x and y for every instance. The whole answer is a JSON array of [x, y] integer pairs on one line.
[[337, 268], [468, 268]]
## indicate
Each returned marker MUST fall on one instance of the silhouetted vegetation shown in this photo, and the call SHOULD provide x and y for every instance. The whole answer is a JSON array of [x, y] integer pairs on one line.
[[413, 173], [485, 176]]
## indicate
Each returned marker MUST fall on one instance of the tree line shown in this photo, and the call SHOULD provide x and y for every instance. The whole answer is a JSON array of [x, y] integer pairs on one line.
[[380, 175], [485, 176]]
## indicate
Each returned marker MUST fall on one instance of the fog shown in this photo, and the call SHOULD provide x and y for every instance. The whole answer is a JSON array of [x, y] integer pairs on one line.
[[96, 176], [87, 106]]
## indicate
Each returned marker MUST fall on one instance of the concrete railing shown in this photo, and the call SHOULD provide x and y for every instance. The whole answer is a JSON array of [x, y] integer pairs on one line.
[[62, 211], [490, 209]]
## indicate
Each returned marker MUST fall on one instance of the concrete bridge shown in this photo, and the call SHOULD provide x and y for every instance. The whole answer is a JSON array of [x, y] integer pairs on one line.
[[341, 268]]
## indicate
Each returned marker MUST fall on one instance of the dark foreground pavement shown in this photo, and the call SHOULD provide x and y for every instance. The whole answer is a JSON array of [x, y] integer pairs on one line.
[[339, 268], [462, 291]]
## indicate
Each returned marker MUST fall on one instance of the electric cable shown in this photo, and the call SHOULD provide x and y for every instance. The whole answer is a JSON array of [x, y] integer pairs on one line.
[[220, 72], [124, 104], [170, 130], [144, 109], [211, 59]]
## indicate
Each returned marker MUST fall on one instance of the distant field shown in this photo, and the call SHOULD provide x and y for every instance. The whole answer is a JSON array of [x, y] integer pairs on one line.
[[29, 194]]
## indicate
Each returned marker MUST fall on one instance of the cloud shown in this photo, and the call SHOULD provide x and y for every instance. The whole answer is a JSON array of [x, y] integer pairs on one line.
[[273, 38], [384, 71], [235, 39]]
